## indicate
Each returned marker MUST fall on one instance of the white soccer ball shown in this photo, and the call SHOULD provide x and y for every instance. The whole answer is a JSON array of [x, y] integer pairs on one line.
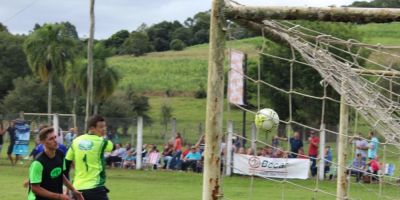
[[266, 119]]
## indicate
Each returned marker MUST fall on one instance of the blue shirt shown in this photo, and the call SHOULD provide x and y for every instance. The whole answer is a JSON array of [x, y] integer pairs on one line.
[[193, 156], [328, 158], [295, 145], [358, 164], [40, 148], [372, 152]]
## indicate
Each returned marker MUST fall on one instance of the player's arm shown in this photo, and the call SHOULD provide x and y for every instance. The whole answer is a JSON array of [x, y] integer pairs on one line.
[[68, 184], [38, 190]]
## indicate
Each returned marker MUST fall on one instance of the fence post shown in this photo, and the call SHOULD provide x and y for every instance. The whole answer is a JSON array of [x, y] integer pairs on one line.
[[139, 142], [56, 127], [228, 163], [133, 137], [173, 127]]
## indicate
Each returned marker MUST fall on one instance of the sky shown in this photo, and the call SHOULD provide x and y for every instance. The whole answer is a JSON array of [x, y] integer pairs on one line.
[[113, 15]]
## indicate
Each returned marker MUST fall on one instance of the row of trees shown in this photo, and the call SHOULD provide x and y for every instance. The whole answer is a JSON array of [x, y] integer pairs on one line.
[[50, 62]]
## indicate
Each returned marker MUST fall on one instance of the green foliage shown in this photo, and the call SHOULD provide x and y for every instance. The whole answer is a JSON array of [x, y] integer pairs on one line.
[[30, 95], [201, 92], [377, 4], [117, 39], [49, 49], [3, 28], [12, 61], [137, 44], [165, 114], [177, 45]]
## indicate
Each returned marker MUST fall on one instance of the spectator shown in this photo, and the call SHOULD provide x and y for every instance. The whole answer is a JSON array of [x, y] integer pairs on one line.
[[71, 135], [178, 165], [301, 154], [11, 132], [129, 161], [358, 167], [241, 150], [115, 156], [153, 157], [313, 152], [374, 168], [177, 151], [250, 152], [266, 152], [295, 144], [191, 160], [361, 146], [373, 146], [276, 143], [328, 159], [167, 155]]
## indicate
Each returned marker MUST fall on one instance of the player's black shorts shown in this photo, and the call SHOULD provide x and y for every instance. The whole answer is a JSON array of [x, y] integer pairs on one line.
[[99, 193]]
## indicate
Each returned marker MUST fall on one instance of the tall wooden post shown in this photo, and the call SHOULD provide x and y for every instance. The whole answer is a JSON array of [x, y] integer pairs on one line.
[[341, 184], [139, 143], [321, 168], [215, 99], [228, 164]]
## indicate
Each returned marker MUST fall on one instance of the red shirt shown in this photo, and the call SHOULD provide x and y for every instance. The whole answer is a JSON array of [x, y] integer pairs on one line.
[[185, 153], [313, 149], [374, 165], [178, 144]]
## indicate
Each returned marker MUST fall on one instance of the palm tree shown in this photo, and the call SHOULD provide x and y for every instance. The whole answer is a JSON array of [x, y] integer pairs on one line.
[[49, 50], [105, 81], [73, 82]]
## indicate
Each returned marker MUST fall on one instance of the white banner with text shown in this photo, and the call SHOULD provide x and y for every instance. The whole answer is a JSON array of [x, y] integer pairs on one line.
[[290, 168]]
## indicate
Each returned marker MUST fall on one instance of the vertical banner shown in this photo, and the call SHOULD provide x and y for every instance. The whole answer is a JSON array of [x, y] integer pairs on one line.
[[22, 134], [235, 78]]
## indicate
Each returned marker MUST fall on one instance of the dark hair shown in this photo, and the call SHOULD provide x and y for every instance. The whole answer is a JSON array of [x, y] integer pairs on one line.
[[372, 133], [44, 132], [93, 121]]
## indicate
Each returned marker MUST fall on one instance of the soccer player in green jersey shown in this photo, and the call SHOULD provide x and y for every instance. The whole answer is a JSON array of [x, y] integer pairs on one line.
[[46, 173], [87, 152]]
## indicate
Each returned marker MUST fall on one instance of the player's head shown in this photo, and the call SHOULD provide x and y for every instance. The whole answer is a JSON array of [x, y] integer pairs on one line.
[[97, 125], [48, 138]]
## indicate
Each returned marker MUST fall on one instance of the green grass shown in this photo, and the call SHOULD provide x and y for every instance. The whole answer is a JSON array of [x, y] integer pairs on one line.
[[179, 71], [387, 34], [162, 185]]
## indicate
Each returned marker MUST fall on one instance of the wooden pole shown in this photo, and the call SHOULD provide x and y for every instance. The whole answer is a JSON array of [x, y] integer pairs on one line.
[[215, 99], [139, 143], [89, 90], [341, 191], [321, 167], [332, 14]]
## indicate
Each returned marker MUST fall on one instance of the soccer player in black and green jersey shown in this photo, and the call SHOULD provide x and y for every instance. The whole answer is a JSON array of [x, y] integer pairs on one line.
[[87, 153], [46, 173]]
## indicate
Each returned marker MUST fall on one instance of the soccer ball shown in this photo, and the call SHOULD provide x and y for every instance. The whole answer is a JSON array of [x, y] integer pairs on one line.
[[266, 119]]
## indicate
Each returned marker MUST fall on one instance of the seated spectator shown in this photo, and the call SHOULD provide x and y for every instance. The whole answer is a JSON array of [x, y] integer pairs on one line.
[[130, 159], [358, 167], [266, 152], [373, 168], [250, 152], [178, 165], [301, 154], [153, 158], [241, 150], [115, 156], [167, 155], [191, 160]]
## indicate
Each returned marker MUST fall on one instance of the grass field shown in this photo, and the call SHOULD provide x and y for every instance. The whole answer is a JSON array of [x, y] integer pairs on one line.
[[165, 185]]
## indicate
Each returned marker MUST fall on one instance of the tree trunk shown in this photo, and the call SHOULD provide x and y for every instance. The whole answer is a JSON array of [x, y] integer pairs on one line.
[[49, 97], [96, 108], [332, 14], [89, 93]]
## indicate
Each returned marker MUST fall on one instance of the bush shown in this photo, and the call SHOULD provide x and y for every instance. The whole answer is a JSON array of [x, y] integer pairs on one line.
[[201, 92], [177, 45]]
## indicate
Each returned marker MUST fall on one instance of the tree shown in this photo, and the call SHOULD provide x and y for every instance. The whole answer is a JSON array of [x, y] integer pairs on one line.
[[3, 28], [377, 4], [13, 62], [177, 45], [49, 50], [165, 116], [116, 40], [184, 34], [105, 79], [137, 44], [73, 82], [29, 95]]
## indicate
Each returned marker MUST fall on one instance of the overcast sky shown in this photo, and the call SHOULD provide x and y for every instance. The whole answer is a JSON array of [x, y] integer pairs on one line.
[[113, 15]]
